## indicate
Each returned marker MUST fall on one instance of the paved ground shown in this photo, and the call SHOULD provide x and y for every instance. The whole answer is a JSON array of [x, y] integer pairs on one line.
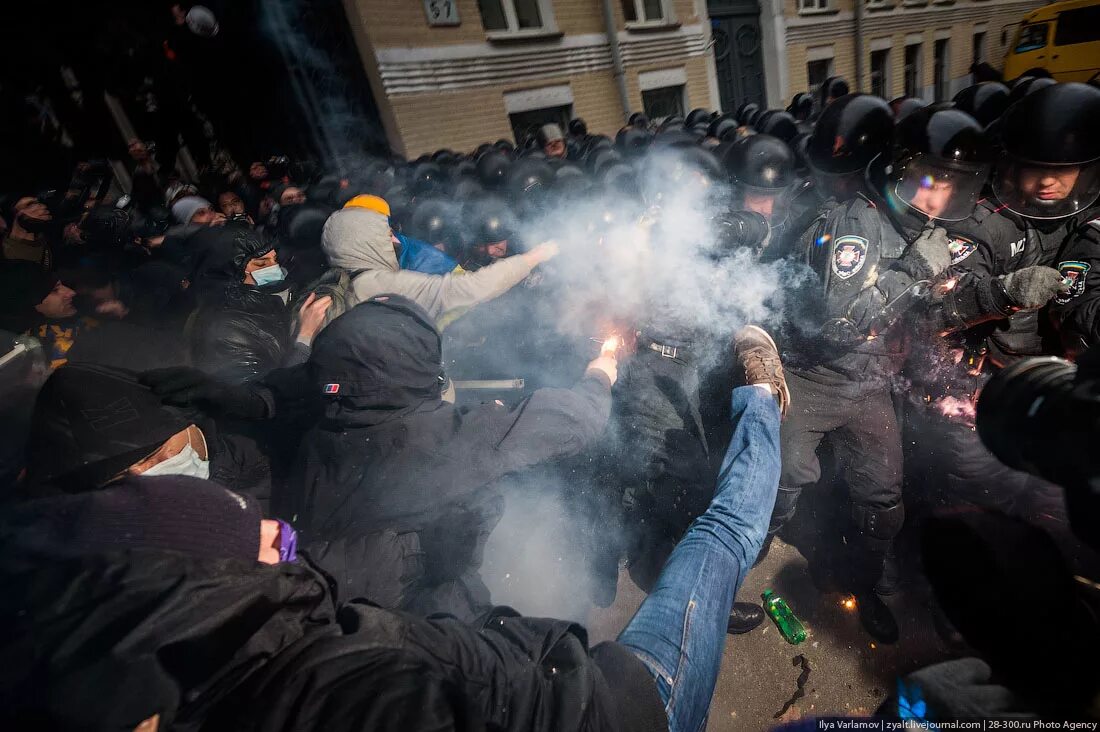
[[849, 675], [530, 567]]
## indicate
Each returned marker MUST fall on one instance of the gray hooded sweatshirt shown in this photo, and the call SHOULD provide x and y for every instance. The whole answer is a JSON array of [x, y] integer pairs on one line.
[[358, 240]]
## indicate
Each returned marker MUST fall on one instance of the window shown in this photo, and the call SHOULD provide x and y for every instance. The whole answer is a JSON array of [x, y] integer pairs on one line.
[[664, 102], [912, 70], [812, 5], [880, 71], [514, 15], [528, 123], [940, 66], [1077, 26], [817, 72], [1032, 37], [645, 11], [979, 48]]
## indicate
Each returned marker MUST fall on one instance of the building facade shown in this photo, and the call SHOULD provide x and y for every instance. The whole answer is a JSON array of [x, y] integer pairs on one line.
[[920, 48], [456, 73]]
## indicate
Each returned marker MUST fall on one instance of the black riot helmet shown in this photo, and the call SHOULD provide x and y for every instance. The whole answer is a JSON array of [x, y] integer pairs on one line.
[[777, 123], [688, 173], [1026, 85], [802, 106], [492, 168], [941, 162], [1050, 164], [632, 141], [761, 163], [490, 220], [851, 132], [427, 178], [530, 177], [638, 120], [747, 112], [832, 89], [984, 102], [724, 128], [578, 127], [904, 106], [436, 221], [697, 116]]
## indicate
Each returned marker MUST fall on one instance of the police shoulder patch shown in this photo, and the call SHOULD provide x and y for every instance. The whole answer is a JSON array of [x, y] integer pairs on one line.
[[849, 255], [1073, 273], [960, 248]]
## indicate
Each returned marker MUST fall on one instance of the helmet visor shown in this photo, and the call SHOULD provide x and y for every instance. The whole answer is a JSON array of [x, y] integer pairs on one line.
[[944, 192], [1046, 192]]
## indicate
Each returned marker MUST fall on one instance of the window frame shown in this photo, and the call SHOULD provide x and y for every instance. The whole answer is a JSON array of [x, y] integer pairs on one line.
[[941, 69], [1074, 19], [678, 90], [978, 48], [918, 71], [668, 15], [830, 70], [815, 7], [549, 25], [1020, 34], [885, 71]]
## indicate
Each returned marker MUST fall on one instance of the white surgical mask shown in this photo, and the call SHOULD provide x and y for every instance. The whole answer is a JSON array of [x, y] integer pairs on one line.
[[268, 275], [186, 462]]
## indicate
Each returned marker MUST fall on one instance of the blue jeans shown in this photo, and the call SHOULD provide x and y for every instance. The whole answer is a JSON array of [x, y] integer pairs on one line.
[[679, 632]]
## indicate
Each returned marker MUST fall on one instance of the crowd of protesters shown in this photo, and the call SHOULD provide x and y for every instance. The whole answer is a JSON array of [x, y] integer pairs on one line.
[[246, 489]]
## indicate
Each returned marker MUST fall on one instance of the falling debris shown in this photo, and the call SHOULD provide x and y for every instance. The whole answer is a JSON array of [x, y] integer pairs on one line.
[[800, 691]]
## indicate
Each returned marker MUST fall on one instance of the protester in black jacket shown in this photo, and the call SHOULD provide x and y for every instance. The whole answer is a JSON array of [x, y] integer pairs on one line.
[[168, 599], [242, 329], [396, 486]]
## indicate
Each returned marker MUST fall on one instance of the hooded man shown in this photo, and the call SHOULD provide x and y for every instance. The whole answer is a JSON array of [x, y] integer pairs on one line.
[[94, 425], [396, 495], [242, 328], [358, 240]]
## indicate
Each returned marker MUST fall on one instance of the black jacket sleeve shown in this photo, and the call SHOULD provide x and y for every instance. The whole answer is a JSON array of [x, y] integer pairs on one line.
[[987, 247], [550, 424], [1077, 313]]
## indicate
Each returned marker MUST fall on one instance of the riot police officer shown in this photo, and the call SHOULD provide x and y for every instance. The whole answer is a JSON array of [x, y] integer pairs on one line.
[[1004, 274], [1069, 185], [843, 354]]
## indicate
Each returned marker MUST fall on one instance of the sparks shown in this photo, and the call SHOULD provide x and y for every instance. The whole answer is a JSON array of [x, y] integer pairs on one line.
[[610, 346], [848, 603]]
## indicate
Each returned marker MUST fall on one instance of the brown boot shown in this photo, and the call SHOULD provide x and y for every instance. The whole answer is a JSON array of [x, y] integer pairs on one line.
[[759, 356]]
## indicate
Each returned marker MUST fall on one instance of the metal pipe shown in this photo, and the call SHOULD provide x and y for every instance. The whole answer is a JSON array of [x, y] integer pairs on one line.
[[858, 43], [616, 57]]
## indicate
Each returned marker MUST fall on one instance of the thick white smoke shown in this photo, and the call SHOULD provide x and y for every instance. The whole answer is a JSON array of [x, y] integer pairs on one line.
[[657, 266]]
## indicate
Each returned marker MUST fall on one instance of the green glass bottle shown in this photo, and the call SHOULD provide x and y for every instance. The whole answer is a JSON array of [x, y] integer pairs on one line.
[[790, 627]]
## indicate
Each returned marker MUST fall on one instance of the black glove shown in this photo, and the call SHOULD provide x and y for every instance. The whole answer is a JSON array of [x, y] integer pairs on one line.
[[930, 252], [1031, 288], [183, 386]]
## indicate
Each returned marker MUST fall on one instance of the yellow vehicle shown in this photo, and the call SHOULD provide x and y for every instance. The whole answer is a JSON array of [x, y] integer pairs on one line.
[[1062, 38]]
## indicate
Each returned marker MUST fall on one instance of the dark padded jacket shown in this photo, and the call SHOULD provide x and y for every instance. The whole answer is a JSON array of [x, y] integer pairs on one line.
[[104, 641], [857, 253], [238, 332], [395, 488], [1077, 314]]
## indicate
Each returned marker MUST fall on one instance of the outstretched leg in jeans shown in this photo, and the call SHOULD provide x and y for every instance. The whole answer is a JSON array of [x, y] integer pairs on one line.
[[679, 632]]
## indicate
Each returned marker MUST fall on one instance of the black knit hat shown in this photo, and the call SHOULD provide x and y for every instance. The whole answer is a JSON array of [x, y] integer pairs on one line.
[[91, 423], [192, 516]]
